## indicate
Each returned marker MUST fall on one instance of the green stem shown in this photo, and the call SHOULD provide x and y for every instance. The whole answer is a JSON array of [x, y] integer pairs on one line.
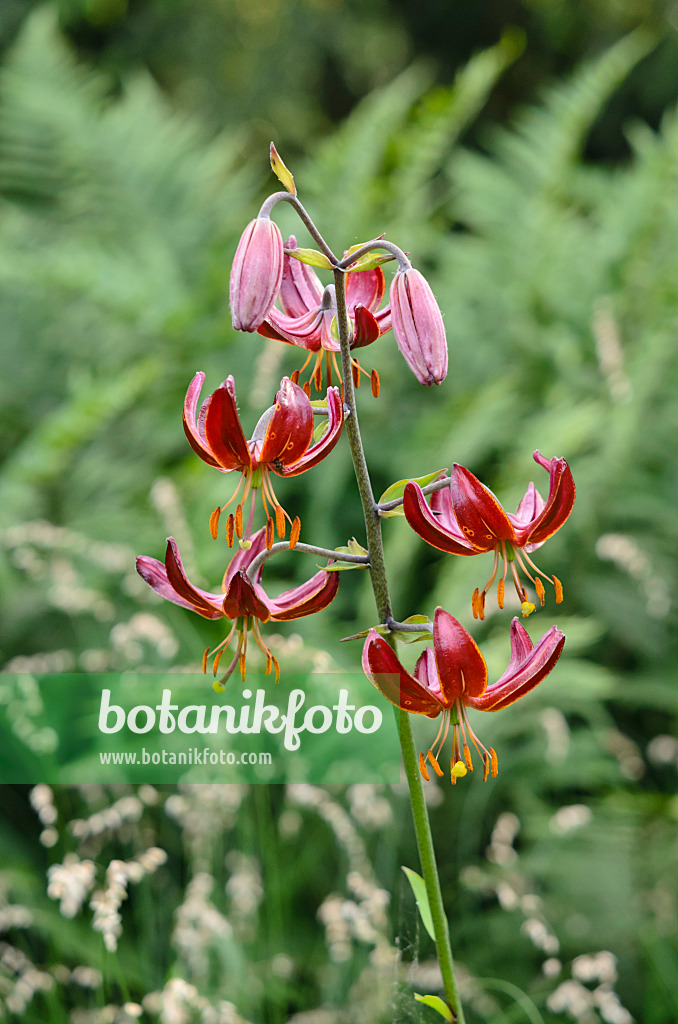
[[383, 601]]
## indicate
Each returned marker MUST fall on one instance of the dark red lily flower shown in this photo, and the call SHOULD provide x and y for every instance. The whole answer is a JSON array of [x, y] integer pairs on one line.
[[243, 600], [467, 519], [282, 443], [451, 677], [308, 311]]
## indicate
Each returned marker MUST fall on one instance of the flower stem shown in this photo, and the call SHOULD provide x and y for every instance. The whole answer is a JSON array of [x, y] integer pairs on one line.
[[383, 601]]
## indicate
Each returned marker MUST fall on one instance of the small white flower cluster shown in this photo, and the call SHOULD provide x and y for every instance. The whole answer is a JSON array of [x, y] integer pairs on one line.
[[179, 1002], [369, 807], [71, 883], [204, 813], [127, 638], [199, 926], [128, 808], [42, 802], [20, 979], [245, 891], [106, 902], [591, 1005]]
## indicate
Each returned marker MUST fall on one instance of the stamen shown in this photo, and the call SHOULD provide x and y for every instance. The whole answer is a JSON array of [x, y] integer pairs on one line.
[[486, 766], [214, 523], [269, 533], [494, 762], [276, 666], [337, 371], [294, 532], [204, 660], [355, 373], [294, 376], [375, 383], [280, 521], [318, 374], [500, 593], [436, 767], [229, 530], [217, 659], [422, 768], [238, 521], [269, 662], [467, 757], [328, 366], [307, 389], [541, 593], [243, 666], [559, 589], [478, 604]]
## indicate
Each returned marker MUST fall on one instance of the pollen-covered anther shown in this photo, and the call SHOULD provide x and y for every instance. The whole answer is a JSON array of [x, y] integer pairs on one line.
[[422, 768], [318, 377], [494, 762], [541, 593], [355, 373], [294, 532], [486, 766], [269, 533], [527, 608], [500, 593], [242, 665], [214, 523], [458, 770], [280, 521], [434, 764], [294, 376], [238, 521], [478, 604], [375, 383], [204, 659], [276, 668], [217, 659], [559, 589], [467, 757], [230, 530], [307, 389]]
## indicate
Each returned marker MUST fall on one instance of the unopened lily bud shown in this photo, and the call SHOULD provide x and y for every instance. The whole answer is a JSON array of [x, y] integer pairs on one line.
[[418, 326], [256, 273]]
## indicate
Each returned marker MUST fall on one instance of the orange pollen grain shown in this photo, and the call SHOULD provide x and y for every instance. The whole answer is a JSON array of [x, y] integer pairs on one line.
[[280, 521], [294, 532], [500, 593], [539, 587], [238, 521], [467, 757], [436, 767], [229, 530], [494, 762], [214, 523], [204, 659], [422, 768], [559, 589], [374, 383]]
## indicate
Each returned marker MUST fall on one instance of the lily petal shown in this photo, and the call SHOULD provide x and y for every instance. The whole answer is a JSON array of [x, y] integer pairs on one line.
[[300, 289], [366, 327], [435, 532], [382, 668], [480, 516], [196, 436], [365, 288], [559, 502], [523, 674], [310, 597], [223, 431], [290, 429], [242, 598], [318, 451], [172, 583], [461, 667]]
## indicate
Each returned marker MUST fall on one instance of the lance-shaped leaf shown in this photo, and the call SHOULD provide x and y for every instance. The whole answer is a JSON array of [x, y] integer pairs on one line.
[[397, 490], [421, 896], [313, 257], [436, 1003], [282, 173], [351, 548], [403, 636]]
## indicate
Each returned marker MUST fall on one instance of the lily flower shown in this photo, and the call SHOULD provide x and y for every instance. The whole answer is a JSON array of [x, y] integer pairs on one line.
[[256, 273], [282, 443], [243, 600], [418, 326], [308, 311], [467, 519], [451, 677]]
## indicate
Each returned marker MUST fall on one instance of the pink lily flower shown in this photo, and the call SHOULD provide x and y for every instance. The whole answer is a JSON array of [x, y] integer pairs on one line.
[[418, 326], [256, 273]]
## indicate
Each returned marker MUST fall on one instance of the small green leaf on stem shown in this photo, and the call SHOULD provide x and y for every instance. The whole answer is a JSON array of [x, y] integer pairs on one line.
[[351, 548], [281, 171], [310, 256], [436, 1003], [397, 490], [370, 261], [402, 636], [421, 896]]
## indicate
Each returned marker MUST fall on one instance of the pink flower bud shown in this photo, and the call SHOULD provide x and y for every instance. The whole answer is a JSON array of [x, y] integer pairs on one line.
[[418, 326], [256, 273]]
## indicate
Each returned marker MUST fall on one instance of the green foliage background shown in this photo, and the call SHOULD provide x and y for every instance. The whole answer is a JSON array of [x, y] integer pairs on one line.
[[548, 233]]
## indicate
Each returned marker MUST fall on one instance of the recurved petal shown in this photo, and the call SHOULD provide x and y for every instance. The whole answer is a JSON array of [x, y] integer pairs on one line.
[[522, 675], [310, 597], [382, 668], [436, 532], [192, 427], [558, 504], [242, 597], [317, 452], [300, 289], [243, 558], [530, 506], [461, 667], [290, 428], [480, 516], [223, 431], [170, 581], [365, 288], [365, 328], [304, 331]]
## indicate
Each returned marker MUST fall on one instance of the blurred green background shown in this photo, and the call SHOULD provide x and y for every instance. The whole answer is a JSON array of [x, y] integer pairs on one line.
[[526, 155]]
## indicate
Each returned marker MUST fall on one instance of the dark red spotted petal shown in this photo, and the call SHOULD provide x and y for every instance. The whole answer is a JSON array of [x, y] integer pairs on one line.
[[382, 668], [559, 502], [290, 429], [438, 533], [366, 328], [242, 598], [461, 667], [223, 431], [201, 601], [194, 429], [317, 452], [310, 597], [522, 676], [480, 516]]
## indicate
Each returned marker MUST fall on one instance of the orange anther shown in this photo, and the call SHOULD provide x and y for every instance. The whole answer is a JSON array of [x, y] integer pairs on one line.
[[214, 523], [467, 757], [204, 659], [500, 593], [436, 767], [280, 521], [541, 593], [229, 530], [318, 377], [494, 762], [217, 659], [355, 371], [486, 767], [374, 383], [295, 531], [307, 389], [422, 768], [238, 521], [294, 377], [276, 667], [559, 589], [269, 533]]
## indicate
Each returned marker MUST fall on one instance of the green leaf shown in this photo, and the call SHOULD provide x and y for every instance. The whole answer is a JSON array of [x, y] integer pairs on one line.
[[282, 173], [351, 548], [370, 261], [436, 1003], [397, 490], [400, 635], [421, 896], [310, 256]]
